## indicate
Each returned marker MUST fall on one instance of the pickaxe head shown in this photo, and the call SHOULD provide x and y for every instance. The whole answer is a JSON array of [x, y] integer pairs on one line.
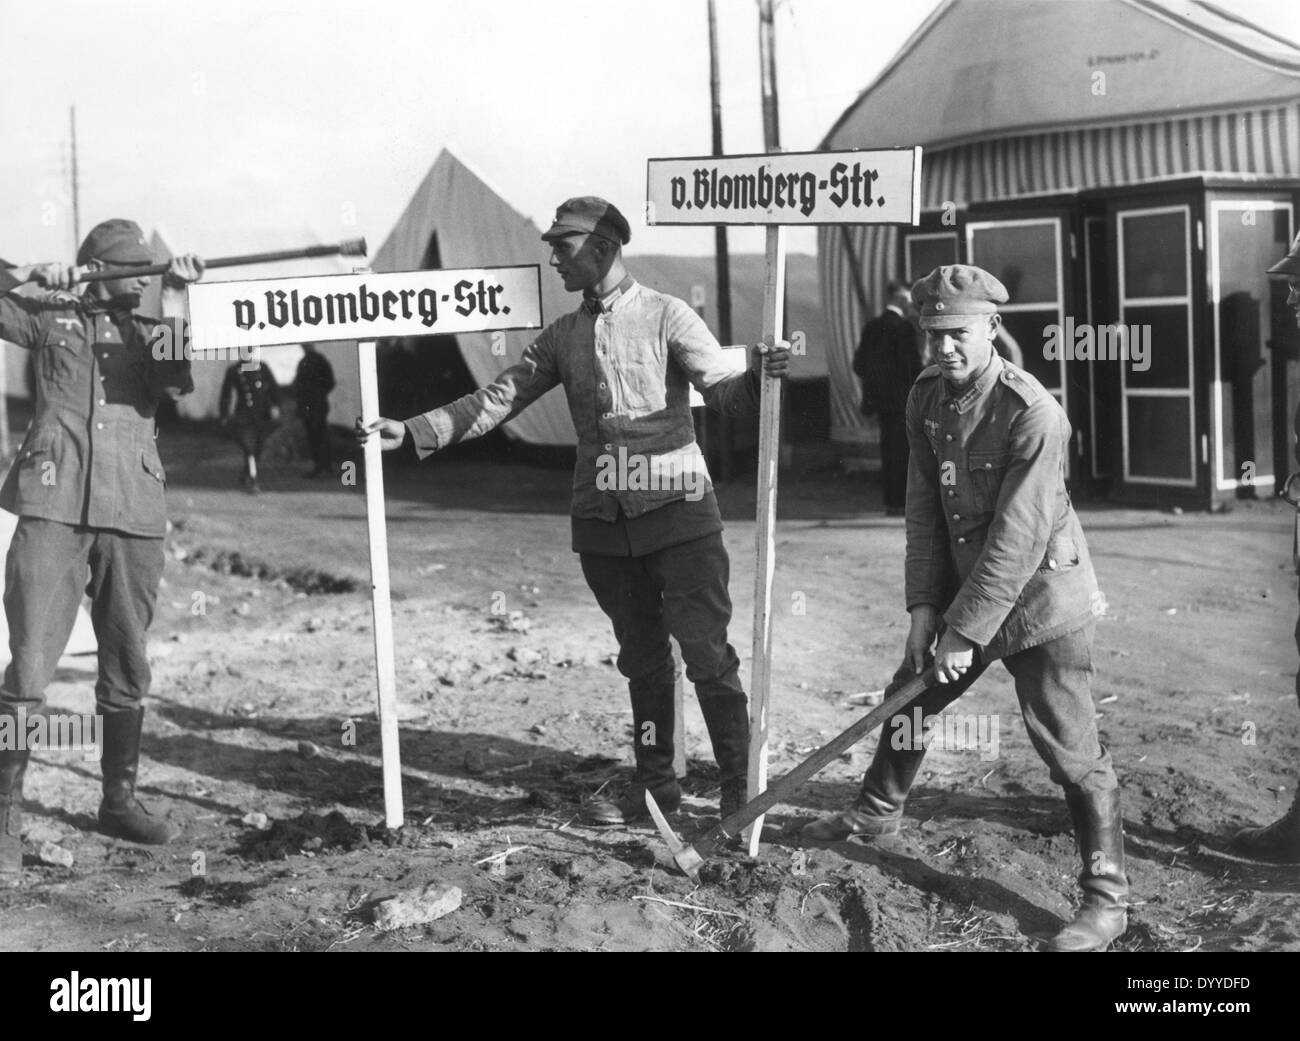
[[686, 856]]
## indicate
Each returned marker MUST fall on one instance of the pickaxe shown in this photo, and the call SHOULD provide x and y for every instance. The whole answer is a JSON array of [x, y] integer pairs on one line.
[[689, 858]]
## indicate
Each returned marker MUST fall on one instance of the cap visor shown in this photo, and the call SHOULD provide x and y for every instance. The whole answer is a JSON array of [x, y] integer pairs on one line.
[[1287, 266], [563, 231]]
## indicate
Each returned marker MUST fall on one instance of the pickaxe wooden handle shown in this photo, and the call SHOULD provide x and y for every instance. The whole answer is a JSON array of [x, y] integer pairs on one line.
[[689, 858], [349, 248]]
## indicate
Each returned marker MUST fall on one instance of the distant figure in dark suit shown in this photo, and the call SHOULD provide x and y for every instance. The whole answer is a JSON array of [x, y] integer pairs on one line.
[[312, 384], [250, 398], [887, 362]]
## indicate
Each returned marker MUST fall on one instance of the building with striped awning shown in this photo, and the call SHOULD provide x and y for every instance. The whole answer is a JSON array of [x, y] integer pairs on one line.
[[1129, 169]]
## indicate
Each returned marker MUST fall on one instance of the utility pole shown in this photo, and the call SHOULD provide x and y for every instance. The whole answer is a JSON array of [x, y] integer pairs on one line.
[[767, 61], [720, 230], [76, 201], [722, 261]]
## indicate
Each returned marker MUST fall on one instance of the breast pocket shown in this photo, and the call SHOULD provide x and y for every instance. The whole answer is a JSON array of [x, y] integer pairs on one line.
[[640, 369], [987, 470], [59, 361]]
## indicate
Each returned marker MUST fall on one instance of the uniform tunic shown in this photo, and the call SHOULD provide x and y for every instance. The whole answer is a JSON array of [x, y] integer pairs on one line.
[[992, 540], [88, 488]]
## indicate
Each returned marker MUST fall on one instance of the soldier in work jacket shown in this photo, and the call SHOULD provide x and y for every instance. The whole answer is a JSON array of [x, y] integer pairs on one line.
[[997, 567]]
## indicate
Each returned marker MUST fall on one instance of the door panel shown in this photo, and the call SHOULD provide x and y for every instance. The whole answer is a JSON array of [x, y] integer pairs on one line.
[[1155, 306]]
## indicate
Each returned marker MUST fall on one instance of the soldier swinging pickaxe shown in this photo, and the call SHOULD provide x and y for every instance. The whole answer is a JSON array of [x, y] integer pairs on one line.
[[689, 858]]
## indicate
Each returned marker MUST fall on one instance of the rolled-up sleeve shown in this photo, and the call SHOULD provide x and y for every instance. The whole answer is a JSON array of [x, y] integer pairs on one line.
[[488, 407], [700, 356], [928, 570], [1018, 535]]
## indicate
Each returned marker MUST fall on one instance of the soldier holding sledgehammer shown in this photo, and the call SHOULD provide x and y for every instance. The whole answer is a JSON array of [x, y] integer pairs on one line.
[[87, 486]]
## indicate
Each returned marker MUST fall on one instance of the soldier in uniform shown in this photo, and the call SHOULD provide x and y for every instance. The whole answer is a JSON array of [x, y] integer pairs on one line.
[[997, 567], [251, 397], [87, 486], [312, 383], [1280, 841]]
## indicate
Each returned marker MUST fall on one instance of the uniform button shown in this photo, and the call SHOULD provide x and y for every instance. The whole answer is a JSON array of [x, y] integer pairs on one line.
[[63, 343], [988, 466], [602, 386], [1051, 564], [961, 542], [609, 415], [952, 493], [956, 516], [103, 401], [99, 426], [609, 448], [947, 437], [952, 408]]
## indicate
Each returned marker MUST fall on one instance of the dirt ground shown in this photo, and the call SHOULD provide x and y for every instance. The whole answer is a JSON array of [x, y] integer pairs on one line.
[[512, 713]]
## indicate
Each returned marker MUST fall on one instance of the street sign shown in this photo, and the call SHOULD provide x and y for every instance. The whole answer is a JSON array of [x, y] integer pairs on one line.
[[267, 311], [880, 186]]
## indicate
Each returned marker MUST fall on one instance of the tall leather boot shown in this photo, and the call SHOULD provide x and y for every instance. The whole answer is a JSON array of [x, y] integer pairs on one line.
[[1278, 842], [653, 716], [878, 809], [727, 718], [1099, 833], [120, 813], [13, 765]]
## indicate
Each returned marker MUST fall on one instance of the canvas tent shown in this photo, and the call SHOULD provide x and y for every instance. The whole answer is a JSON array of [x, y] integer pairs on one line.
[[456, 220], [1115, 162]]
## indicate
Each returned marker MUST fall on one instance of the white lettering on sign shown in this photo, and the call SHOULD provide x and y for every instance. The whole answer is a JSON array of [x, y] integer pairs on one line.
[[881, 186], [363, 306]]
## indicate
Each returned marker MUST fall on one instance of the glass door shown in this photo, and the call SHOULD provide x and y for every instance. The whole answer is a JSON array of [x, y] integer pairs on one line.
[[1247, 235], [1028, 256], [1153, 345]]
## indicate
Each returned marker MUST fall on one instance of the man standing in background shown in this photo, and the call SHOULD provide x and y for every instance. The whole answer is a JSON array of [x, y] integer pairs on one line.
[[312, 384], [251, 397], [888, 362]]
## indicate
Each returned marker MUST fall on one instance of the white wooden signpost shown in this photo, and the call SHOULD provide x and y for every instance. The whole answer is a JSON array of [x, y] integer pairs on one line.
[[880, 186], [228, 318]]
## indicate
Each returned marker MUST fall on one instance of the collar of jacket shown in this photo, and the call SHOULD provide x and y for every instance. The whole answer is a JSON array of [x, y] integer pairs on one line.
[[979, 386], [593, 304], [93, 305]]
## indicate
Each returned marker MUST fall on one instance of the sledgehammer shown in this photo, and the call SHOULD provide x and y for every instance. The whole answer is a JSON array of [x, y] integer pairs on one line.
[[689, 858]]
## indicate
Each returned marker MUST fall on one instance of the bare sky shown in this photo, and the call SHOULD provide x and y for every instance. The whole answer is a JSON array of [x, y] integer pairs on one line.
[[232, 122]]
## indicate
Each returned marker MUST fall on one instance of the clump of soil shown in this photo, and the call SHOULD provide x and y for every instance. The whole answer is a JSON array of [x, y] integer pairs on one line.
[[300, 579]]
